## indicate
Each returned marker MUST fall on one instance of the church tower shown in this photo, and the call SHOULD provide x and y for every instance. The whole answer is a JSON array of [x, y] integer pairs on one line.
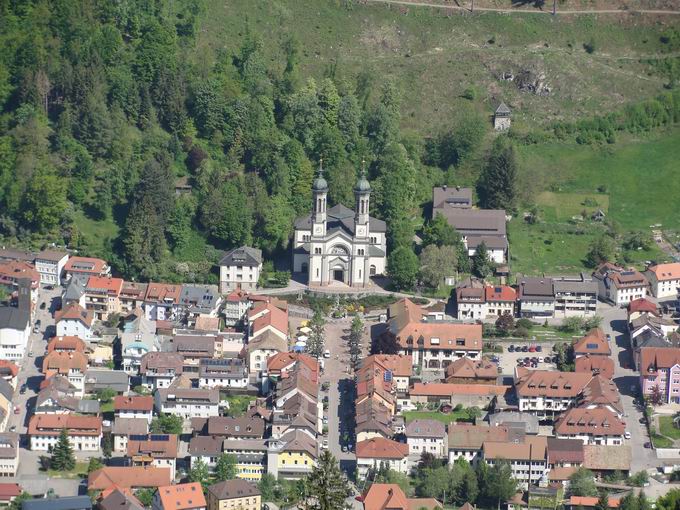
[[362, 195], [319, 192]]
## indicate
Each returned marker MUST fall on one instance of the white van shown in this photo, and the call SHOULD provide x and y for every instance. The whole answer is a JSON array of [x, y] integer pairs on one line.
[[327, 354]]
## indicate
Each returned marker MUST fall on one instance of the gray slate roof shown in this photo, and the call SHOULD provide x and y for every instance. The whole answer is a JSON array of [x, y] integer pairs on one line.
[[100, 378], [232, 489], [481, 222], [503, 109], [243, 256], [117, 500], [200, 298], [68, 503], [451, 196], [340, 217], [14, 318]]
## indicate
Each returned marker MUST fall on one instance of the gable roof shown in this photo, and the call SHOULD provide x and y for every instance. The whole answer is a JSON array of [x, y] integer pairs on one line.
[[163, 293], [450, 196], [472, 437], [593, 422], [66, 343], [157, 446], [602, 365], [75, 312], [654, 358], [62, 362], [111, 286], [594, 342], [665, 272], [607, 458], [120, 500], [448, 389], [499, 293], [642, 305], [425, 428], [232, 489], [133, 403], [182, 496], [466, 368], [549, 383], [85, 265], [401, 365], [126, 477], [533, 448], [242, 256], [381, 448]]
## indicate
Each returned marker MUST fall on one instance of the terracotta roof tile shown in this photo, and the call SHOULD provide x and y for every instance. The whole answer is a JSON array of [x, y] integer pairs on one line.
[[593, 422], [133, 403], [381, 448], [594, 342], [665, 272], [183, 496], [128, 477], [466, 368], [75, 312]]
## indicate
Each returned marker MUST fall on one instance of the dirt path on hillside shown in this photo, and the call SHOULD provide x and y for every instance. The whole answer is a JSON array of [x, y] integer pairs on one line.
[[409, 3]]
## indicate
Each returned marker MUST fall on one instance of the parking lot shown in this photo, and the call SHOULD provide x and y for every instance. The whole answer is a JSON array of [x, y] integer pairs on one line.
[[508, 360]]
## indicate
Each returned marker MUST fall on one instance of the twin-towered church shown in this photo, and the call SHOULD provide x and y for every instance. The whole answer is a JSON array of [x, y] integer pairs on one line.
[[338, 244]]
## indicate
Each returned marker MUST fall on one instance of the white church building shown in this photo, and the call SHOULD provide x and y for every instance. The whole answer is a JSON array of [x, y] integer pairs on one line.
[[338, 244]]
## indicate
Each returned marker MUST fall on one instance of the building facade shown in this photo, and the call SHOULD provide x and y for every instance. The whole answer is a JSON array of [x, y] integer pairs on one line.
[[338, 245]]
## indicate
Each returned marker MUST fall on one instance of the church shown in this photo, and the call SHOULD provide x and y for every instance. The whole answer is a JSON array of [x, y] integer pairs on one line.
[[338, 245]]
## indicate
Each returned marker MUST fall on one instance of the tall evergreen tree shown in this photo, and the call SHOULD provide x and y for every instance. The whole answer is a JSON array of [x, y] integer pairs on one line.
[[327, 485], [62, 458], [497, 185], [481, 263]]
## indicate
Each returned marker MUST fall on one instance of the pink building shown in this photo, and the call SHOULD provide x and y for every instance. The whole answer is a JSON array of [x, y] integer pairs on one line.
[[660, 367]]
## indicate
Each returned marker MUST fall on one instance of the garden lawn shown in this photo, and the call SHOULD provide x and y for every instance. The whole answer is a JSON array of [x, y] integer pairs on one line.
[[78, 472], [660, 441], [667, 428], [445, 418], [238, 404]]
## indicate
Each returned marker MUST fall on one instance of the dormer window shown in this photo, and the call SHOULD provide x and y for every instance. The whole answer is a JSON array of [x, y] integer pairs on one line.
[[434, 341]]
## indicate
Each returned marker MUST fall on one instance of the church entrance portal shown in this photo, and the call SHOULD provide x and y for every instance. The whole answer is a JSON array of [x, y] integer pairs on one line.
[[338, 275]]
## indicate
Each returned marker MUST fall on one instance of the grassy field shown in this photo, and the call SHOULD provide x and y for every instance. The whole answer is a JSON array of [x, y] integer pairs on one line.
[[435, 56], [78, 472], [409, 416], [667, 428], [564, 206]]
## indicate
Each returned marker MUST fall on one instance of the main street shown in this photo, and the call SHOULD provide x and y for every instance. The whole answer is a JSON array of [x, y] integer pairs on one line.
[[28, 473], [627, 380]]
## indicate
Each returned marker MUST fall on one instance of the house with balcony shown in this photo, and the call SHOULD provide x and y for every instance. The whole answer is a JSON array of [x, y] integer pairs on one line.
[[470, 303], [161, 302], [500, 300], [575, 296], [185, 401], [198, 301], [15, 326], [292, 455], [466, 440], [660, 373], [102, 296], [73, 320], [153, 450], [528, 459], [85, 267], [468, 371], [137, 339], [240, 269], [71, 365], [161, 369], [374, 452], [548, 393], [133, 406], [427, 436], [535, 297], [132, 296], [222, 373], [50, 264]]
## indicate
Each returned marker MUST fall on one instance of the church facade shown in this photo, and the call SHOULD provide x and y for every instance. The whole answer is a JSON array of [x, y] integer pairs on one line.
[[338, 244]]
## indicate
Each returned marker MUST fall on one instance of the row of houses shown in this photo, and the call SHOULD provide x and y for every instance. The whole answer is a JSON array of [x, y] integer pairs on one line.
[[565, 296]]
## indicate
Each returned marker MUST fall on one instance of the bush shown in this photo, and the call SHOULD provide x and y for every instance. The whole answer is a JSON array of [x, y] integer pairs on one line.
[[522, 332], [458, 407], [589, 47], [470, 93], [525, 323]]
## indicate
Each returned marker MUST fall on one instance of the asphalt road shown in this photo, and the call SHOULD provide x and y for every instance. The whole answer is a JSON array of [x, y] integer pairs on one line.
[[627, 380], [28, 474]]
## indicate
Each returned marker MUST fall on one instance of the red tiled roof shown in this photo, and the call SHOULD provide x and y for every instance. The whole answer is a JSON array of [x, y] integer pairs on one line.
[[75, 312], [550, 383], [602, 365], [160, 292], [112, 286], [154, 448], [85, 265], [658, 357], [577, 501], [400, 365], [12, 270], [500, 293], [381, 448], [466, 368], [665, 272], [128, 477], [133, 403], [62, 362], [52, 424], [595, 422], [182, 496], [9, 366], [275, 317], [594, 342], [66, 343], [287, 360], [9, 490], [642, 305]]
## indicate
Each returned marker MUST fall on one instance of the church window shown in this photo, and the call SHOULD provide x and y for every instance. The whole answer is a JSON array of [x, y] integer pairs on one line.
[[374, 240], [317, 251], [361, 251], [360, 274], [317, 272]]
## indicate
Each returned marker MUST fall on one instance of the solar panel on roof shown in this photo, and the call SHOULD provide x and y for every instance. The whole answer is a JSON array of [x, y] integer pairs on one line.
[[159, 437], [138, 437], [591, 346]]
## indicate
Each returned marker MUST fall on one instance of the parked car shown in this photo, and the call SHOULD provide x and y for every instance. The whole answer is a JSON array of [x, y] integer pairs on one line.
[[626, 434], [511, 348], [643, 420], [17, 410], [43, 305], [539, 348], [532, 348], [648, 444], [540, 359], [23, 389], [525, 348], [13, 428], [609, 337], [30, 354]]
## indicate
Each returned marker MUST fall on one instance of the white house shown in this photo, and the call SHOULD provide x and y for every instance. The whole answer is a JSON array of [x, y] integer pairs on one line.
[[161, 302], [134, 406], [123, 428], [50, 264], [470, 303], [427, 436], [75, 321], [161, 369], [84, 432], [374, 452], [182, 400], [620, 286], [592, 426], [15, 329], [222, 373], [664, 279], [240, 268]]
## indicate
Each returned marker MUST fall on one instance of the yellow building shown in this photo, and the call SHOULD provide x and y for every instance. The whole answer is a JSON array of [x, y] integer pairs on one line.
[[234, 495], [293, 455], [251, 456]]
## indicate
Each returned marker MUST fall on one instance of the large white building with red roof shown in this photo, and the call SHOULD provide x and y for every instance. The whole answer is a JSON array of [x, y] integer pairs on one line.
[[664, 279]]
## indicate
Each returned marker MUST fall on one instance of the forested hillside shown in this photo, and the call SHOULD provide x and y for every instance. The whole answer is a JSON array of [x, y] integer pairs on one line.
[[102, 115], [106, 106]]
